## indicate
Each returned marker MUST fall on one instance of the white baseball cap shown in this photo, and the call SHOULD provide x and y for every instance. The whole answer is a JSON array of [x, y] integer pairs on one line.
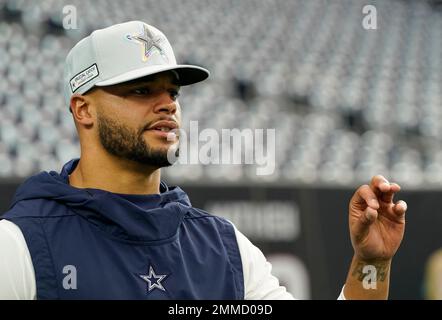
[[121, 53]]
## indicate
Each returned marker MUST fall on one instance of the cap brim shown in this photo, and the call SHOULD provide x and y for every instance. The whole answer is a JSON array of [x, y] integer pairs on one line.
[[188, 74]]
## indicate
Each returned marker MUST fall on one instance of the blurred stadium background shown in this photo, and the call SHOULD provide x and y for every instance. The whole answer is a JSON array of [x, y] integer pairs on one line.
[[346, 103]]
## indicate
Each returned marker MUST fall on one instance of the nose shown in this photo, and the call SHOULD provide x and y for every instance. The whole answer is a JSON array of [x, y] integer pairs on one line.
[[165, 104]]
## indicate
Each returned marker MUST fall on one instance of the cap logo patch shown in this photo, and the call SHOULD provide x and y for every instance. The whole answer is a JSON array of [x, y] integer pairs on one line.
[[83, 77], [148, 43]]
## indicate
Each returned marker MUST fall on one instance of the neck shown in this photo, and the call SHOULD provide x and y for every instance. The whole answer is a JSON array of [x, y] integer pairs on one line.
[[107, 172]]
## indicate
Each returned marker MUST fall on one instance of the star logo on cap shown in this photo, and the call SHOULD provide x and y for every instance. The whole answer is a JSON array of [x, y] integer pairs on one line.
[[153, 280], [148, 42]]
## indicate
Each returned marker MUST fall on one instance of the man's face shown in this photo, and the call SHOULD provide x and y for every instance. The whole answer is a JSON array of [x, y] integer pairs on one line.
[[134, 118]]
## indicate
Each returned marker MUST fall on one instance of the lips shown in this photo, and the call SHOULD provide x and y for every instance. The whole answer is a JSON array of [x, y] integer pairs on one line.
[[164, 126], [164, 129]]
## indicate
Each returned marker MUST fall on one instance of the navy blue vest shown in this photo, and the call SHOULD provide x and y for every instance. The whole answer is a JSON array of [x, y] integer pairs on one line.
[[93, 244]]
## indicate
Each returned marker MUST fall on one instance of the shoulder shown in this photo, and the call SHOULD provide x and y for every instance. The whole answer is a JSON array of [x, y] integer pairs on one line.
[[17, 277], [196, 214], [199, 215], [34, 208], [212, 226], [11, 237]]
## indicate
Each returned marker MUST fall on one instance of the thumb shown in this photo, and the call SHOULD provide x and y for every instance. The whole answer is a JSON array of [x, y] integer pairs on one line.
[[370, 216], [362, 225]]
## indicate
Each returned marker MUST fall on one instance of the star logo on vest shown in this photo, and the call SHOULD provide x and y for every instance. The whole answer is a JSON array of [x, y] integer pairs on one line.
[[153, 280], [148, 42]]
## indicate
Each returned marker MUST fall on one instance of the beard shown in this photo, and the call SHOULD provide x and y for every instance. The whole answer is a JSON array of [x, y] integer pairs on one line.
[[129, 144]]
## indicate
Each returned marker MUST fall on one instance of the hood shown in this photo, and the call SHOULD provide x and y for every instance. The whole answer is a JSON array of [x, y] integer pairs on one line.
[[152, 217]]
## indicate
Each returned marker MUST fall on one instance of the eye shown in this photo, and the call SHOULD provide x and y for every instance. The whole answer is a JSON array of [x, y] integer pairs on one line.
[[141, 91], [174, 94]]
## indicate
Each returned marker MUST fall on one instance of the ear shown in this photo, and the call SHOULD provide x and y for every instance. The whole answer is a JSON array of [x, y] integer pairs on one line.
[[82, 110]]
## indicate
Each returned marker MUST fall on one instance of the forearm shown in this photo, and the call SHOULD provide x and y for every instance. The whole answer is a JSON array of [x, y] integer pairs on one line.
[[368, 280]]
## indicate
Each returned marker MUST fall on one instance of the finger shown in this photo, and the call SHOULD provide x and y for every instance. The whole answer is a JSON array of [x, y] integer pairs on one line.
[[395, 187], [379, 184], [384, 189], [388, 196], [400, 208], [367, 197]]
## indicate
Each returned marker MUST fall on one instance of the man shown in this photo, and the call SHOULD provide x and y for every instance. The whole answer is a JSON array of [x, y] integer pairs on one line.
[[107, 227]]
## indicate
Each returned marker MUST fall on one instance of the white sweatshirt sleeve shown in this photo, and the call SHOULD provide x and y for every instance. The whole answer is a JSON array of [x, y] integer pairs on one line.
[[341, 296], [259, 283], [17, 277]]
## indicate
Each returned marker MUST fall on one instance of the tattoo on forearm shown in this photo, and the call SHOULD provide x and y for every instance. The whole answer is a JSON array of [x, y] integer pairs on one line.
[[363, 269]]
